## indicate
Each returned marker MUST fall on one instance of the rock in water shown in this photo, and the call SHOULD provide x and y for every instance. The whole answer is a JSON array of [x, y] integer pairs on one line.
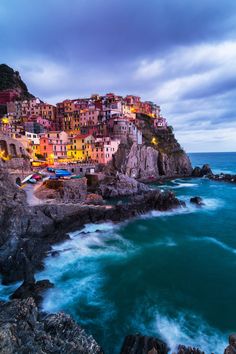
[[138, 344], [197, 201], [24, 330], [32, 289], [205, 170], [231, 349], [188, 350]]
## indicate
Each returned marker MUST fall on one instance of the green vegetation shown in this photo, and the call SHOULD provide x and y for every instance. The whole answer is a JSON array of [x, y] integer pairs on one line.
[[162, 140]]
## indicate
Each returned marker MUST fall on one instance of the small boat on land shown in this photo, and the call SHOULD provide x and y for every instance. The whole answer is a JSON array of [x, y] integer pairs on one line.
[[62, 173], [32, 181], [37, 177], [76, 177], [26, 179]]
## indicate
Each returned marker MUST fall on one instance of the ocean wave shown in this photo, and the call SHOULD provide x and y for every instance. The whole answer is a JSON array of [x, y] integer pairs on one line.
[[168, 242], [183, 328], [210, 204], [216, 242], [185, 185], [77, 271], [189, 330]]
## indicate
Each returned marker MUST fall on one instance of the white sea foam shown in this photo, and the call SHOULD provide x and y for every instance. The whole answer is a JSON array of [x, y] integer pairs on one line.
[[184, 185], [190, 331], [167, 242], [210, 205], [216, 242], [183, 328], [77, 271]]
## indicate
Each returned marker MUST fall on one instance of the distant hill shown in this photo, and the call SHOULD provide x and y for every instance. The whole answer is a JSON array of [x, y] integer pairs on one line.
[[11, 85]]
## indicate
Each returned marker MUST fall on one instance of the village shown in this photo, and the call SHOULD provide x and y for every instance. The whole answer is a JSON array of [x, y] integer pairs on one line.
[[78, 131]]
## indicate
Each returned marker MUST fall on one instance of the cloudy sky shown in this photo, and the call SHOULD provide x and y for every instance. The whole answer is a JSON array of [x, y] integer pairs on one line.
[[179, 53]]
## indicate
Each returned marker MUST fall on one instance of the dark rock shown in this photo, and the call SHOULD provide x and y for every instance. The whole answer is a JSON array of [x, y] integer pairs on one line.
[[231, 348], [120, 185], [197, 201], [32, 289], [55, 253], [197, 172], [23, 330], [188, 350], [205, 170], [138, 344], [223, 178]]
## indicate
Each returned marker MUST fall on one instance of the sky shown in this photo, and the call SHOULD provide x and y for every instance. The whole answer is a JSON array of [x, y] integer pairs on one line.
[[180, 54]]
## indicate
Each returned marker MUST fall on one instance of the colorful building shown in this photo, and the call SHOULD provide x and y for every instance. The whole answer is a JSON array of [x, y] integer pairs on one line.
[[53, 145], [104, 149], [79, 147]]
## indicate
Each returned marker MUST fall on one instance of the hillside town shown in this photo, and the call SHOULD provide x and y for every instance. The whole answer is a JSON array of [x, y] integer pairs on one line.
[[84, 130]]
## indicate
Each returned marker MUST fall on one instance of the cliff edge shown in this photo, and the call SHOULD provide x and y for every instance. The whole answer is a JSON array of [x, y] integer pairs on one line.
[[11, 85], [159, 156]]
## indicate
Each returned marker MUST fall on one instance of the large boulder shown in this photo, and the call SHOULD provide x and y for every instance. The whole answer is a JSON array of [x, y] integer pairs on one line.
[[231, 348], [138, 344], [196, 200], [120, 185], [205, 170]]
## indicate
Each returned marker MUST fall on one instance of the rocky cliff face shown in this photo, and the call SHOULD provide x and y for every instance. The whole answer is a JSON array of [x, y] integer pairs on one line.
[[24, 330], [11, 85], [159, 156]]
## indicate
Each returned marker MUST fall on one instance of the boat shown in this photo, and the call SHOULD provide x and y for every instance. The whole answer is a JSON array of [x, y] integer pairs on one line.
[[62, 173], [26, 179], [76, 177], [50, 169], [37, 177], [32, 181], [53, 177]]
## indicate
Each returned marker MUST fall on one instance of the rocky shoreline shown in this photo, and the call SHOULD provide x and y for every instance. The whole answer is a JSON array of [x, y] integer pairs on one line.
[[27, 237]]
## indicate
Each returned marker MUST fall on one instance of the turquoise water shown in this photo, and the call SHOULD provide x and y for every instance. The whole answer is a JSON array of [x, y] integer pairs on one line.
[[165, 274]]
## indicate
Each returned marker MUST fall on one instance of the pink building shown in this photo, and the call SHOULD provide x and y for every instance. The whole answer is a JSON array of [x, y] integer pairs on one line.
[[47, 124], [53, 145], [103, 150]]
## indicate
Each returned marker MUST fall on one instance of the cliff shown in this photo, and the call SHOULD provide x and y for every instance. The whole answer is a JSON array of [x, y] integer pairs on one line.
[[23, 329], [159, 156], [11, 85]]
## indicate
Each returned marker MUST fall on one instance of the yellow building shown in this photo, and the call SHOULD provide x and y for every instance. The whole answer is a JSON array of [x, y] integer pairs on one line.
[[35, 150], [80, 147]]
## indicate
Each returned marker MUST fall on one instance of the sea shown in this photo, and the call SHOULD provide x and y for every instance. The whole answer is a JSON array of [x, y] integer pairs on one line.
[[165, 274]]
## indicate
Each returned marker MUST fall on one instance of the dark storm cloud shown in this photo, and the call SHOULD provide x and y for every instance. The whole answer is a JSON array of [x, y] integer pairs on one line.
[[105, 29], [180, 53]]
